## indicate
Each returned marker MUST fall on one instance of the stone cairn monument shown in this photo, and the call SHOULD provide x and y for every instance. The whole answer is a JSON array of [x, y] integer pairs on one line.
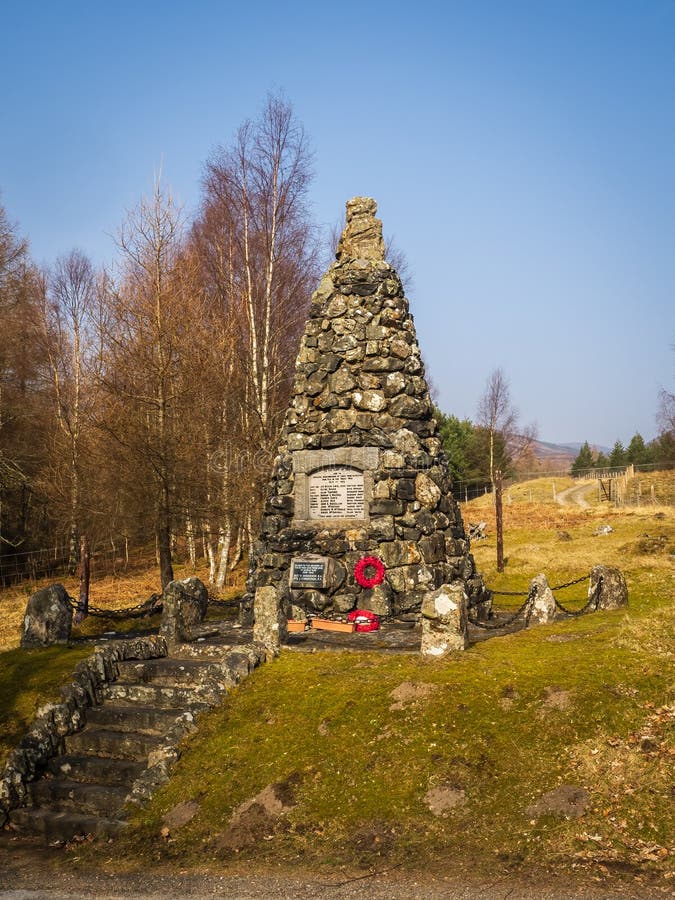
[[359, 513]]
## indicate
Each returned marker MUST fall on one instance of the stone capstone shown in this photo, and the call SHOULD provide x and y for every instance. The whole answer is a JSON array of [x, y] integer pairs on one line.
[[48, 618], [362, 237]]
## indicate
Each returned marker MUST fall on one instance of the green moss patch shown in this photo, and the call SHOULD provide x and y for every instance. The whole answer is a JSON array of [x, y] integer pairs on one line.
[[29, 679]]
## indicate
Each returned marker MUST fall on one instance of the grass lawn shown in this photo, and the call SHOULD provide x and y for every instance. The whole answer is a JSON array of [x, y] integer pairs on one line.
[[361, 743], [582, 703]]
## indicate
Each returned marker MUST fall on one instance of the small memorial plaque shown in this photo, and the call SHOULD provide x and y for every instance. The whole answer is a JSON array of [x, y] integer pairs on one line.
[[336, 492], [308, 573]]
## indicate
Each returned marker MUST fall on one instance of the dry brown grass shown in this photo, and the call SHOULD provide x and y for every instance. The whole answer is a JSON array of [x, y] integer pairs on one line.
[[645, 485], [641, 543], [119, 591]]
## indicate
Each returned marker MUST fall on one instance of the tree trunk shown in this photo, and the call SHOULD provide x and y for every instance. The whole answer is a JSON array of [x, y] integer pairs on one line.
[[209, 552], [238, 546], [83, 601], [164, 539], [190, 536], [499, 521], [249, 536], [224, 541]]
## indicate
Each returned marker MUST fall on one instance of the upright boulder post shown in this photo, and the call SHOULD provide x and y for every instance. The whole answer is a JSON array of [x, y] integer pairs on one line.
[[444, 620], [610, 585], [48, 618], [270, 626], [184, 604], [542, 602]]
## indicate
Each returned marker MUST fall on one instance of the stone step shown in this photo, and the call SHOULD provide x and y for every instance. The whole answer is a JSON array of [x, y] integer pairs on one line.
[[96, 769], [90, 798], [165, 697], [62, 825], [132, 717], [104, 742], [168, 671]]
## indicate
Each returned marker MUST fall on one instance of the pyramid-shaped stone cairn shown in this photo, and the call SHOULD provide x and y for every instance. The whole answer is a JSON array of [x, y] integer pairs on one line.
[[360, 470]]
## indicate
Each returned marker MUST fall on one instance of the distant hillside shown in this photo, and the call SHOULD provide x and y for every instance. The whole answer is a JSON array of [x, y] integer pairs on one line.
[[560, 455]]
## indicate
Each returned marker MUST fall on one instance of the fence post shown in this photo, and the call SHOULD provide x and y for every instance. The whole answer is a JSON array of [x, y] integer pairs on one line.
[[499, 520]]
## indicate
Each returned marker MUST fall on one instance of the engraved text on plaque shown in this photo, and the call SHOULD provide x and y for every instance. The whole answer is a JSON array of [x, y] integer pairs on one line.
[[336, 492]]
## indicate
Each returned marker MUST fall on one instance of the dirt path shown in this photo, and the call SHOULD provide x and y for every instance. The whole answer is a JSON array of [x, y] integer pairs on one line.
[[575, 495], [30, 872]]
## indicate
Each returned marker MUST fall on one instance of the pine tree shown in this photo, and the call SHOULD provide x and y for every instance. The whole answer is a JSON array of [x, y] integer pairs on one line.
[[456, 436], [602, 461], [618, 455], [637, 453], [584, 460]]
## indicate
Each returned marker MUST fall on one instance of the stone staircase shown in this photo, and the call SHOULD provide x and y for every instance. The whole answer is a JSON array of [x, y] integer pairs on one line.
[[145, 712]]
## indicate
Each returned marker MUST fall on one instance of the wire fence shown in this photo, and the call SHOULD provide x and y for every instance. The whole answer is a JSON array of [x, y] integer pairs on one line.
[[634, 486], [31, 565]]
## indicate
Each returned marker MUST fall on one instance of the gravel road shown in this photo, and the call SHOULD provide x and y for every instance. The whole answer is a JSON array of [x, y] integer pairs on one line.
[[28, 872]]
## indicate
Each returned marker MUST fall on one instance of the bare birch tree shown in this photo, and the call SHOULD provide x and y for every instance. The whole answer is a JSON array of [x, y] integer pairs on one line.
[[498, 416], [68, 317], [258, 265], [142, 346]]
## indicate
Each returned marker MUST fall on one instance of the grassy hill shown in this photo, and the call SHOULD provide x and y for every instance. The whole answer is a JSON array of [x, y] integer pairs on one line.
[[362, 743], [381, 760]]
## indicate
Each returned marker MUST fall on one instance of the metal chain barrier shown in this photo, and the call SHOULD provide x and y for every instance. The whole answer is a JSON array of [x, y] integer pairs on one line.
[[494, 626], [153, 606], [509, 593], [590, 606], [526, 607], [150, 607], [223, 604], [560, 587]]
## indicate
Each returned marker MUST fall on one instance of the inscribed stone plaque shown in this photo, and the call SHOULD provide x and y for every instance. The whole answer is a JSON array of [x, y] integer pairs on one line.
[[336, 492], [308, 573]]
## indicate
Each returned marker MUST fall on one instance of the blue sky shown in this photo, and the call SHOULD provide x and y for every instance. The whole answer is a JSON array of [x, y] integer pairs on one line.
[[522, 156]]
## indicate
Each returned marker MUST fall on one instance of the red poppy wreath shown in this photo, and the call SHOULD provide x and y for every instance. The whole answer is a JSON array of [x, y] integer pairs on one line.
[[377, 568]]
